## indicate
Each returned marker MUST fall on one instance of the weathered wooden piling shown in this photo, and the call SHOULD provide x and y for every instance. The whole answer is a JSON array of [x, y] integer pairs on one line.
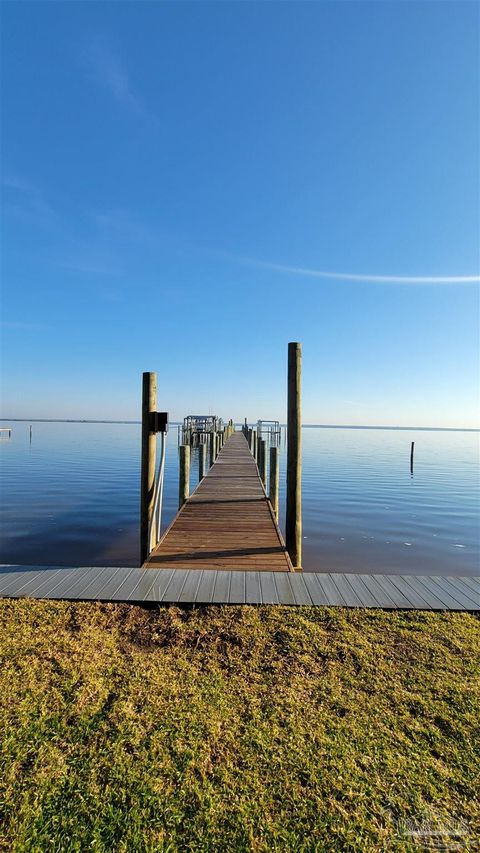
[[255, 444], [411, 457], [293, 526], [202, 460], [213, 447], [149, 452], [184, 479], [262, 461], [274, 479]]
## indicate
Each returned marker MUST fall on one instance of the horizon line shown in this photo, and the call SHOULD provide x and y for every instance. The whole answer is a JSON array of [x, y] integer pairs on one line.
[[282, 424]]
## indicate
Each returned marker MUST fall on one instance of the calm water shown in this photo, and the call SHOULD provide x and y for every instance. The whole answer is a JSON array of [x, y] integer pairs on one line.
[[71, 497]]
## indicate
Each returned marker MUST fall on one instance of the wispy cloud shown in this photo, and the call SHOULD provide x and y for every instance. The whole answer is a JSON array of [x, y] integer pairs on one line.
[[118, 223], [25, 201], [89, 265], [24, 327], [365, 277], [104, 65]]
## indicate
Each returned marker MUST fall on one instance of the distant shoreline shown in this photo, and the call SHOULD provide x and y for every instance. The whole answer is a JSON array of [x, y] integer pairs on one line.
[[304, 426]]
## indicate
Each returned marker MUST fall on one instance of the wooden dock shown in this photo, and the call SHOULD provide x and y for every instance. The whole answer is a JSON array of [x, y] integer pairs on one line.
[[193, 587], [227, 523]]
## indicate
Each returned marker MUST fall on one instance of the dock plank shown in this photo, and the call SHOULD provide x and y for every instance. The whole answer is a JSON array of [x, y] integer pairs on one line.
[[190, 587], [268, 588], [221, 592], [284, 588], [205, 588], [237, 588]]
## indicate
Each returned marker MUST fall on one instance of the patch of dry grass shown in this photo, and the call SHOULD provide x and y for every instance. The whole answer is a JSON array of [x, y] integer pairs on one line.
[[233, 728]]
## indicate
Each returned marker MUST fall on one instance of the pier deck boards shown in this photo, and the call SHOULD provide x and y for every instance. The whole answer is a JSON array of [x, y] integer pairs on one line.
[[227, 524], [180, 586]]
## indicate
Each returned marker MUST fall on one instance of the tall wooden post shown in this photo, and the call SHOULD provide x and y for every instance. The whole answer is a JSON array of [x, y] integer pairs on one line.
[[255, 445], [274, 479], [202, 460], [184, 479], [293, 527], [250, 439], [149, 452]]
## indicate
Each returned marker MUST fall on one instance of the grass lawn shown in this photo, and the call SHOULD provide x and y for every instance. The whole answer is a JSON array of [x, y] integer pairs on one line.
[[235, 728]]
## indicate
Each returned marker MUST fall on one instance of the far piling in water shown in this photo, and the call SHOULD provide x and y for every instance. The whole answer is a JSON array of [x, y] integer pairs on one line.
[[411, 457]]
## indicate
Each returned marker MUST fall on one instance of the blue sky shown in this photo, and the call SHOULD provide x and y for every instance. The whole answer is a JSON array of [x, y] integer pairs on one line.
[[177, 178]]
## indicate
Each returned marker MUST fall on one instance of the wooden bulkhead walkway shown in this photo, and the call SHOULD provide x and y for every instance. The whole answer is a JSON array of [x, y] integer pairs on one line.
[[227, 523], [190, 587]]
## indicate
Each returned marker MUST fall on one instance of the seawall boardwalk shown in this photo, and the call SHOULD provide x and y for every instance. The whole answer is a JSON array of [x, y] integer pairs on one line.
[[227, 523]]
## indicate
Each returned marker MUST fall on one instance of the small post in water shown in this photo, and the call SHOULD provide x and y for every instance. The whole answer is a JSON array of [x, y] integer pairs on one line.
[[411, 457], [184, 480], [274, 478], [293, 527], [149, 453]]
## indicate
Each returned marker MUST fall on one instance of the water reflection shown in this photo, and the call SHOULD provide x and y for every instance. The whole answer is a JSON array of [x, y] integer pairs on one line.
[[72, 497]]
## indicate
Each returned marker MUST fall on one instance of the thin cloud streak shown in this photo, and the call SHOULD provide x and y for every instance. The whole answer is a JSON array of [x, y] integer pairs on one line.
[[105, 67], [381, 279], [25, 201], [24, 327]]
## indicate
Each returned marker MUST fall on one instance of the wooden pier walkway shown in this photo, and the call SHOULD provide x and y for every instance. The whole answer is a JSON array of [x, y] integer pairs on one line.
[[227, 524]]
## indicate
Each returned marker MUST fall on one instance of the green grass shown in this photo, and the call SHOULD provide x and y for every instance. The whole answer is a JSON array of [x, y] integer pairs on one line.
[[233, 729]]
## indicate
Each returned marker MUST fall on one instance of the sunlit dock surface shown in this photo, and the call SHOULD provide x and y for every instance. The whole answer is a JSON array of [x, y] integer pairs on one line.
[[227, 523], [211, 586]]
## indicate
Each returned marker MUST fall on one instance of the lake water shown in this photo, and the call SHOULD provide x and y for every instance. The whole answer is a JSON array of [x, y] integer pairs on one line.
[[71, 497]]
